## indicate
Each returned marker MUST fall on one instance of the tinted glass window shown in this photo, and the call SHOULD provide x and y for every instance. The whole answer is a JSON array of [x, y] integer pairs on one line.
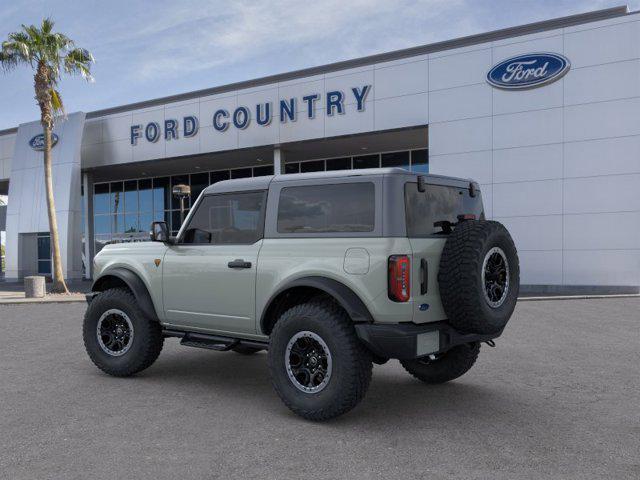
[[436, 204], [262, 171], [366, 161], [315, 166], [291, 168], [396, 159], [420, 161], [227, 219], [101, 198], [339, 164], [346, 207]]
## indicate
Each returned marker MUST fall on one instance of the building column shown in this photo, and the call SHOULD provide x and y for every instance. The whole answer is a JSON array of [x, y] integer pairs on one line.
[[278, 161], [87, 205]]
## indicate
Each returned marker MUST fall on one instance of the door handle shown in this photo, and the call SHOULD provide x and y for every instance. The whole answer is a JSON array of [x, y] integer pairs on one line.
[[239, 263]]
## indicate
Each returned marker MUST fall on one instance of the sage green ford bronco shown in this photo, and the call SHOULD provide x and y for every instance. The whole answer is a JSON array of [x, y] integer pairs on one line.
[[329, 272]]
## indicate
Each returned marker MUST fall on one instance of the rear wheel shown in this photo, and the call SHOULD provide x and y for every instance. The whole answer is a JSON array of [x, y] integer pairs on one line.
[[441, 368], [318, 366], [118, 337]]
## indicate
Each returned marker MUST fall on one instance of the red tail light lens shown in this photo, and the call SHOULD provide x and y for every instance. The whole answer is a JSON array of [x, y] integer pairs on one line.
[[399, 278]]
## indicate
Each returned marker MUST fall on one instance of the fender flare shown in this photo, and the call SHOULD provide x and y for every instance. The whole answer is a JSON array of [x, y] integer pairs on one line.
[[135, 284], [345, 297]]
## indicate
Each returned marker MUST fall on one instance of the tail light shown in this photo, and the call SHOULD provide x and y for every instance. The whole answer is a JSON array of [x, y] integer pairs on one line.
[[399, 278]]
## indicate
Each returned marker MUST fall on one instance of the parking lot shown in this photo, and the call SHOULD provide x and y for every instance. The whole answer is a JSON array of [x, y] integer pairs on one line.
[[558, 397]]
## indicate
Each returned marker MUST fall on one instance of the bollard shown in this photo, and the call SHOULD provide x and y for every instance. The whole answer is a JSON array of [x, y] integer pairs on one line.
[[34, 287]]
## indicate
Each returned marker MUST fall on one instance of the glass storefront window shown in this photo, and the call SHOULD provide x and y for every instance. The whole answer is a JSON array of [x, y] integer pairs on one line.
[[366, 161], [420, 161], [396, 159], [339, 164], [240, 173], [161, 194], [313, 166], [178, 180], [145, 195], [131, 223], [291, 168], [101, 198], [131, 196], [116, 197], [199, 181], [218, 176], [263, 170], [102, 224]]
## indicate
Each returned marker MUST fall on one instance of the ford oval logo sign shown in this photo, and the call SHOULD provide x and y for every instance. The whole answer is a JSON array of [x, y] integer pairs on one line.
[[528, 71], [37, 142]]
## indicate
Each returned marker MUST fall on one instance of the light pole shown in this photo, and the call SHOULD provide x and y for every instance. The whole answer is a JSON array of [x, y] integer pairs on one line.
[[181, 191]]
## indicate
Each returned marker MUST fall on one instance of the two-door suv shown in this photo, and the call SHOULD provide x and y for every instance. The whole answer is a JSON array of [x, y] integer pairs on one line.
[[330, 272]]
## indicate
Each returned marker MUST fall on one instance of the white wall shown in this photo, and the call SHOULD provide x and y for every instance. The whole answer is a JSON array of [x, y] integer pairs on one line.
[[560, 164], [6, 153], [27, 209]]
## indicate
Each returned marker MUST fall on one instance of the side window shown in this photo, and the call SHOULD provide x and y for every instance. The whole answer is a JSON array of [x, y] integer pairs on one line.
[[234, 218], [343, 207]]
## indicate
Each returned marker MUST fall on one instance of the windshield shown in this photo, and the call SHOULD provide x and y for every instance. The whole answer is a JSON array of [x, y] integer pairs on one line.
[[437, 203]]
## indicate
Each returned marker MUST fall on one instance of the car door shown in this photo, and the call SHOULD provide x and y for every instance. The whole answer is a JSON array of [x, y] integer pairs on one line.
[[209, 274]]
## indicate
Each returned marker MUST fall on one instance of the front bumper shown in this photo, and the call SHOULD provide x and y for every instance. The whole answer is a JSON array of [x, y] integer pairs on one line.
[[405, 341]]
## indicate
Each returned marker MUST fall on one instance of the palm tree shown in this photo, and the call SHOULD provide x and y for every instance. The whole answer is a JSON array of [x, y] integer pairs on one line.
[[48, 54]]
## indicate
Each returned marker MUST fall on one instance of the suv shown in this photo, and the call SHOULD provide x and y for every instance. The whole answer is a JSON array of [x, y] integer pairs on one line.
[[330, 272]]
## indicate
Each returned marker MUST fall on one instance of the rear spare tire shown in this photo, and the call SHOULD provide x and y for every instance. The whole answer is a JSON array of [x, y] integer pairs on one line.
[[479, 277]]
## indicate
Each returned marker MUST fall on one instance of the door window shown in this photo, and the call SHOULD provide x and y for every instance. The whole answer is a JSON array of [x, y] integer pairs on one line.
[[236, 218]]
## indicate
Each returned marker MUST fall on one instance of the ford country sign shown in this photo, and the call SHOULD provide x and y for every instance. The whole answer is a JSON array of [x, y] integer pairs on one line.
[[528, 71], [37, 142]]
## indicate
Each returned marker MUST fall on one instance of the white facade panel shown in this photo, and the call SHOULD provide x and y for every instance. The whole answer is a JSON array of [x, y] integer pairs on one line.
[[602, 231], [460, 136], [599, 83], [402, 79], [548, 230], [459, 103], [602, 120], [607, 156], [550, 41], [541, 267], [457, 70], [345, 82], [508, 101], [474, 165], [612, 193], [601, 267], [603, 45], [399, 112], [527, 198], [527, 128], [539, 162]]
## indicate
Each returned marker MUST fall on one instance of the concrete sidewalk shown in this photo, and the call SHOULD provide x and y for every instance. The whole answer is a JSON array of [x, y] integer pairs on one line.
[[12, 293]]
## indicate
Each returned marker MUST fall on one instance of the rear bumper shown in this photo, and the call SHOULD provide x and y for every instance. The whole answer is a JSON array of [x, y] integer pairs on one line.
[[405, 341]]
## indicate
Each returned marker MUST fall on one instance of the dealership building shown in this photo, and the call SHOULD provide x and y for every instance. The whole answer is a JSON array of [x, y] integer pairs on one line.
[[544, 116]]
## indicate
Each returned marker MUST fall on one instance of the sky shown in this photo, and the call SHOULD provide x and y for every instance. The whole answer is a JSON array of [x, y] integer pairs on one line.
[[148, 49]]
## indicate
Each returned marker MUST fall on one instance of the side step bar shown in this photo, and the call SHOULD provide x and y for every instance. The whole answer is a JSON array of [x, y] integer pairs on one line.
[[212, 342]]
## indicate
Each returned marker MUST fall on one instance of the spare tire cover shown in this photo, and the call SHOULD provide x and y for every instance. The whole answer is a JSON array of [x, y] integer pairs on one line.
[[479, 277]]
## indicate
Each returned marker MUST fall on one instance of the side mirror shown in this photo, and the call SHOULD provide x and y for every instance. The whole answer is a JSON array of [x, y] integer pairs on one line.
[[159, 232]]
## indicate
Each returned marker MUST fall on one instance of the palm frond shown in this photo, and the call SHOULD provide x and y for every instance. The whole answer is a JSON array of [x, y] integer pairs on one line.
[[78, 62], [56, 101]]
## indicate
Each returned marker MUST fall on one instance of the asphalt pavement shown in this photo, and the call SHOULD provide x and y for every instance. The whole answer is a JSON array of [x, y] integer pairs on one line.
[[559, 397]]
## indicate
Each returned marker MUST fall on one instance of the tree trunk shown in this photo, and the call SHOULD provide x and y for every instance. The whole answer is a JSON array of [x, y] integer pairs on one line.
[[59, 285]]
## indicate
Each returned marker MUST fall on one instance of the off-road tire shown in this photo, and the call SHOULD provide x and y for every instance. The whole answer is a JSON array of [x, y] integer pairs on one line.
[[452, 364], [351, 373], [147, 339], [462, 290], [244, 350]]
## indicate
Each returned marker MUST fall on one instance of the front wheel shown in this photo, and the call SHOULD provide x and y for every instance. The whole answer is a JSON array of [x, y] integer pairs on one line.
[[441, 368], [318, 366], [118, 337]]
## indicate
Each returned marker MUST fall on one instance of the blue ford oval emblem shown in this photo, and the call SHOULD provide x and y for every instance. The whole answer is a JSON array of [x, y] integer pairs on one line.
[[528, 71], [37, 142]]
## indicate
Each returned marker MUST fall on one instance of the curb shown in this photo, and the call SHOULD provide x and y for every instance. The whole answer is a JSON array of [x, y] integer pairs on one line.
[[577, 297], [31, 301]]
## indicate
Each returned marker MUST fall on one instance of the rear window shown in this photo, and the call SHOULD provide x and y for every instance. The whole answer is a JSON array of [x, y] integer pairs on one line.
[[344, 207], [437, 203]]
